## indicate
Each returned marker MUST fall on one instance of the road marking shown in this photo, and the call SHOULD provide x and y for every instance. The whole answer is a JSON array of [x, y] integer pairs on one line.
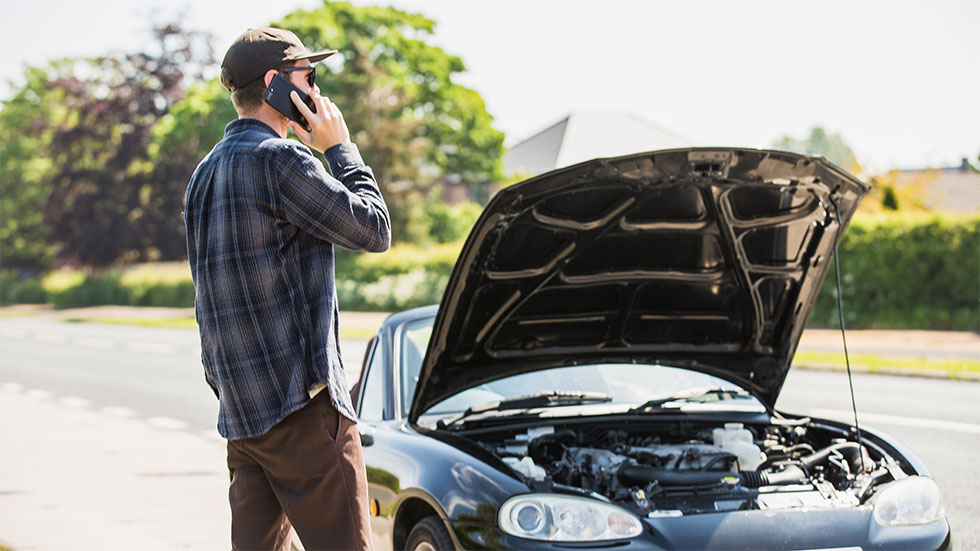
[[55, 338], [885, 419], [38, 394], [75, 402], [118, 411], [93, 342], [165, 423], [13, 333], [151, 347], [211, 435]]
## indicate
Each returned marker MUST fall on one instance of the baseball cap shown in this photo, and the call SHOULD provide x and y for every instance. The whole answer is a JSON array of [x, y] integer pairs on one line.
[[258, 50]]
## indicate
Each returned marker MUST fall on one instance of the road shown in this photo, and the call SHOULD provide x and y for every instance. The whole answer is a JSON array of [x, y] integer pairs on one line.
[[154, 374]]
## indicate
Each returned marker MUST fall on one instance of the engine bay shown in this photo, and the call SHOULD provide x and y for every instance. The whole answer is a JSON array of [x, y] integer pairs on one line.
[[681, 468]]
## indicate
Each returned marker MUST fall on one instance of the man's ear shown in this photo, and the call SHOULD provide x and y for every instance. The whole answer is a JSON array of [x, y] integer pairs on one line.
[[269, 76]]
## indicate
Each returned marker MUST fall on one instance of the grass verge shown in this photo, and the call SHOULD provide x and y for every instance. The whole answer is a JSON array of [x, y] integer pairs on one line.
[[953, 368], [191, 323]]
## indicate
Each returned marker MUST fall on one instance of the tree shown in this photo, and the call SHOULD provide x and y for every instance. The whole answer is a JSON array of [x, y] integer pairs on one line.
[[412, 123], [819, 142], [25, 130], [77, 143]]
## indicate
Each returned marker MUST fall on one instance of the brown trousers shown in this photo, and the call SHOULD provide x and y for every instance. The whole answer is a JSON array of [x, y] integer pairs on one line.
[[306, 472]]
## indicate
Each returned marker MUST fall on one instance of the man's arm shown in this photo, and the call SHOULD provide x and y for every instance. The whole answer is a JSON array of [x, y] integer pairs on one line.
[[352, 215], [347, 210]]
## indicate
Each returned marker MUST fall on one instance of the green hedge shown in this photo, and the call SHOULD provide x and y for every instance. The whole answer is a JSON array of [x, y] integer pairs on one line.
[[165, 284], [404, 277], [902, 272]]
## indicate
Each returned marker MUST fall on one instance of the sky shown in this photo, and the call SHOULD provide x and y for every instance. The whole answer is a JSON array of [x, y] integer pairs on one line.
[[898, 80]]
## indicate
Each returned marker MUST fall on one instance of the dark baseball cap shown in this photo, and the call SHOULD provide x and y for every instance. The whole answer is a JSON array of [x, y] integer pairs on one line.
[[258, 50]]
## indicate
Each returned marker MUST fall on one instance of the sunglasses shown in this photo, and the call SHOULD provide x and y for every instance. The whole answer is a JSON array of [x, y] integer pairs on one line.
[[310, 73]]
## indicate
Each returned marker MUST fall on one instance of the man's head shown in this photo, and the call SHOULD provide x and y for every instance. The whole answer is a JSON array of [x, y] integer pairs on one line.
[[255, 56]]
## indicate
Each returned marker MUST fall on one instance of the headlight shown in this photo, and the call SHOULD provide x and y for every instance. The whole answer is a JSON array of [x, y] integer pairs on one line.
[[555, 517], [913, 500]]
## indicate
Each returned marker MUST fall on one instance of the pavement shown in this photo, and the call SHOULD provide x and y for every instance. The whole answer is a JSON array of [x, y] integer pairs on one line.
[[77, 479], [65, 485]]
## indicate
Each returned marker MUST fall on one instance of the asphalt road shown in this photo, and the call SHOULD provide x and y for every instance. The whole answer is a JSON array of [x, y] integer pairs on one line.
[[154, 374]]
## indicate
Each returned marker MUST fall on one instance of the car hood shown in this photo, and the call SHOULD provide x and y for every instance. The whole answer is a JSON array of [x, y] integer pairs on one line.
[[709, 259]]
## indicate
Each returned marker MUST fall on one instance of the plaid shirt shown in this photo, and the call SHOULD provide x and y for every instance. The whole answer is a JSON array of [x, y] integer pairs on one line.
[[262, 216]]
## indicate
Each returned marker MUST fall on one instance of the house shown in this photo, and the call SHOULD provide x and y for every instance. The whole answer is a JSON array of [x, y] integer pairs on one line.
[[953, 189], [582, 136]]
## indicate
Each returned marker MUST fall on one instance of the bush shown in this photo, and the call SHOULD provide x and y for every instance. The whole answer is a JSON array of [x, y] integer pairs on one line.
[[159, 284], [902, 272], [898, 272], [449, 223]]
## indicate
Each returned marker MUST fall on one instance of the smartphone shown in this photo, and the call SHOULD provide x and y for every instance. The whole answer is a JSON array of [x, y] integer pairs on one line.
[[277, 95]]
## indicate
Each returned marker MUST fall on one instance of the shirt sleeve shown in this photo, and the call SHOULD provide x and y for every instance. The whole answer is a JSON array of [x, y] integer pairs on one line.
[[347, 210]]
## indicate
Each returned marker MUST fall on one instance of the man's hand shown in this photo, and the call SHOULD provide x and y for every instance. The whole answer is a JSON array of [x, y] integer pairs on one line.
[[327, 124]]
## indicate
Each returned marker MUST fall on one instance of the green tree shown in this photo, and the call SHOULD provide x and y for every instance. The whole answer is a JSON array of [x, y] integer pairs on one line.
[[819, 142], [76, 154], [25, 130], [412, 122]]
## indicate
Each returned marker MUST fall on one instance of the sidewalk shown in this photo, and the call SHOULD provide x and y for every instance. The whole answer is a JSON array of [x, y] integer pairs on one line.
[[143, 488]]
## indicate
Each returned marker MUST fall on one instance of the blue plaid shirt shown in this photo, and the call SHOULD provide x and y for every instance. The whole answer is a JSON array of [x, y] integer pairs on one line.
[[262, 216]]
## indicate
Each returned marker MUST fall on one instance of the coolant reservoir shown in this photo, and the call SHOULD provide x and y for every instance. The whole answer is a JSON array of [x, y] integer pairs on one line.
[[736, 439]]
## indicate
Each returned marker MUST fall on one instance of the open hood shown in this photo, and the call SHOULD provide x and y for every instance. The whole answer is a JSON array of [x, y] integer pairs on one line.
[[708, 259]]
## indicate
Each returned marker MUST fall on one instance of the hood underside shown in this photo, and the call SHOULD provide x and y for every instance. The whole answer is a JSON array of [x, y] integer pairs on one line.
[[709, 259]]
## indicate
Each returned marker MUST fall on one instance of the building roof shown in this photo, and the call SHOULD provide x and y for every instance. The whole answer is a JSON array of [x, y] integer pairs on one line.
[[582, 136], [952, 189]]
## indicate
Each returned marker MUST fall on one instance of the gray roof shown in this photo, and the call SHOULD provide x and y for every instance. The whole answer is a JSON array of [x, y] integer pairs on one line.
[[954, 189], [582, 136]]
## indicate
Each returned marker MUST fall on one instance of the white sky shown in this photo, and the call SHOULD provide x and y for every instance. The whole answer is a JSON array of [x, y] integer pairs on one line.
[[899, 80]]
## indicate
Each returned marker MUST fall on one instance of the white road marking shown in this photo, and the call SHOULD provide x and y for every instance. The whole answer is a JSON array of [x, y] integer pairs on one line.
[[13, 333], [151, 347], [118, 411], [886, 419], [13, 387], [38, 394], [93, 342], [211, 435], [75, 402], [54, 338], [165, 423]]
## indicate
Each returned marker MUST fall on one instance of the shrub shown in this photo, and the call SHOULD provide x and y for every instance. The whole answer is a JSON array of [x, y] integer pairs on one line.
[[902, 272]]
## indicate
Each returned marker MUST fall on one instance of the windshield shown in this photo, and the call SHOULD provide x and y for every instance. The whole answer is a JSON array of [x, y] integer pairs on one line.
[[624, 383]]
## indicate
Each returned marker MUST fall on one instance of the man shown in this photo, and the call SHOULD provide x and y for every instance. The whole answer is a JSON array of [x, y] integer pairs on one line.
[[262, 216]]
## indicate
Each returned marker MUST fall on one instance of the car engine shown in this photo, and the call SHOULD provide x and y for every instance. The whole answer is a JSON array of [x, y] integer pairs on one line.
[[679, 469]]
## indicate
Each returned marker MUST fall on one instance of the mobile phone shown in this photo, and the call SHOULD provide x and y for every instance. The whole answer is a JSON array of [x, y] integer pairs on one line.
[[277, 95]]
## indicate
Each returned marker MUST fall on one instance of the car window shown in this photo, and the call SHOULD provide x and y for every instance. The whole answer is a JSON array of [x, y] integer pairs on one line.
[[373, 401], [414, 340]]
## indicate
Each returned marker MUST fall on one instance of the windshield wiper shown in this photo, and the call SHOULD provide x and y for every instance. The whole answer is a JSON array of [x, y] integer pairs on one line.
[[548, 398], [694, 396]]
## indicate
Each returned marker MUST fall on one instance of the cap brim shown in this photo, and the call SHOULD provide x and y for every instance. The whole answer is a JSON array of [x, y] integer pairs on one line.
[[314, 57]]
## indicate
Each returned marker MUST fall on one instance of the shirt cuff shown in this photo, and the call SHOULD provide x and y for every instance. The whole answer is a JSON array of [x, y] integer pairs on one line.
[[342, 157]]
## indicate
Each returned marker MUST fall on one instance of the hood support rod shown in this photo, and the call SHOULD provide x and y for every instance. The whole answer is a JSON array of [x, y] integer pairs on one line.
[[847, 360]]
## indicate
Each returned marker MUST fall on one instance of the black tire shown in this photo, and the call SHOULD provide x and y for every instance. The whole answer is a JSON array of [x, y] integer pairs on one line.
[[429, 534]]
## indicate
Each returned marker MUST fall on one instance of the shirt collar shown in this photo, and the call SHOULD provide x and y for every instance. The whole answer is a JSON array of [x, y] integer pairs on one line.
[[245, 124]]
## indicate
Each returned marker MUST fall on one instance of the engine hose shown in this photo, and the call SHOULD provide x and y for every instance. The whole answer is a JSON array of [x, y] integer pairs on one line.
[[631, 474], [634, 475], [855, 454]]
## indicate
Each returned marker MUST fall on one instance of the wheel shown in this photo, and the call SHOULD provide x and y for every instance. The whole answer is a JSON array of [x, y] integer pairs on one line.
[[430, 534]]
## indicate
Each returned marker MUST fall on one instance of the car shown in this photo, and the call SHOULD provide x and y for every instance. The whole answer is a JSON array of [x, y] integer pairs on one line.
[[602, 370]]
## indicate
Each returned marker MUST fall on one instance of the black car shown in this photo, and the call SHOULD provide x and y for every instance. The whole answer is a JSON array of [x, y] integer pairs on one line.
[[602, 370]]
